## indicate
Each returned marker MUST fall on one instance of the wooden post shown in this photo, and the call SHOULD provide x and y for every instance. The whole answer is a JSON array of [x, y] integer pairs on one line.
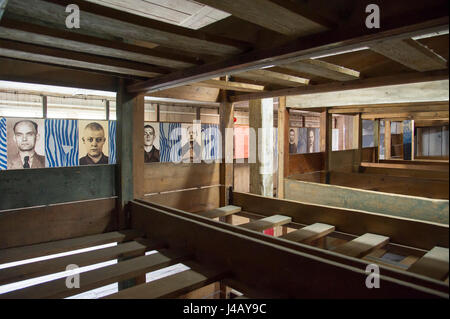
[[376, 140], [387, 140], [261, 172], [107, 109], [357, 140], [283, 146], [227, 165], [326, 141], [413, 140], [44, 107]]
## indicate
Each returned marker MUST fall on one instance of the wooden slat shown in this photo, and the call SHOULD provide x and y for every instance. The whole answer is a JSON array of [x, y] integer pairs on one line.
[[221, 212], [433, 115], [232, 86], [391, 108], [433, 264], [309, 233], [76, 59], [439, 168], [411, 53], [324, 70], [100, 277], [54, 247], [173, 286], [268, 15], [268, 76], [46, 267], [267, 223], [362, 245]]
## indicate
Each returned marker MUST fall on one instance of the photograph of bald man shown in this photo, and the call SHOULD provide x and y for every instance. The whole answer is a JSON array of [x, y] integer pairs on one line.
[[23, 155], [151, 138], [93, 139]]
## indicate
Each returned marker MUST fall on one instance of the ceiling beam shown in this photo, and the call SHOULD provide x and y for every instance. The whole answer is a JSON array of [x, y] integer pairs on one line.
[[3, 4], [268, 76], [334, 41], [405, 78], [112, 24], [323, 69], [406, 115], [411, 54], [391, 108], [36, 34], [47, 55], [230, 86], [269, 15]]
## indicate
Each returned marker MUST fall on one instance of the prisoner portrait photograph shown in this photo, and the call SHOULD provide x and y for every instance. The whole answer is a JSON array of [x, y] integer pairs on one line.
[[94, 149], [26, 145], [313, 140], [293, 140], [191, 142], [151, 143]]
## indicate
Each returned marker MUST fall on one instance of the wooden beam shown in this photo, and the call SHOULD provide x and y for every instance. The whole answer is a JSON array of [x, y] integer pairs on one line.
[[269, 15], [230, 86], [108, 23], [309, 233], [174, 286], [3, 4], [267, 223], [61, 39], [410, 53], [77, 60], [303, 48], [272, 77], [100, 277], [221, 212], [439, 168], [362, 245], [391, 108], [434, 264], [323, 69], [138, 147], [226, 117], [387, 140], [60, 246], [283, 145], [404, 78], [407, 115]]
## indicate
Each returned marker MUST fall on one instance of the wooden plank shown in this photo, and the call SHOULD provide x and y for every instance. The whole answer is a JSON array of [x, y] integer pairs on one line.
[[226, 118], [306, 163], [192, 93], [435, 115], [323, 69], [247, 255], [362, 245], [404, 78], [268, 76], [55, 247], [391, 108], [112, 24], [309, 233], [267, 223], [41, 35], [434, 264], [138, 147], [46, 267], [333, 41], [221, 212], [175, 285], [100, 277], [268, 14], [411, 53], [230, 86], [283, 147], [78, 60], [438, 168]]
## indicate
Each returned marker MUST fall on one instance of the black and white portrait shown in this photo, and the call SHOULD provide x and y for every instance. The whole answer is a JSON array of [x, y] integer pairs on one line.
[[93, 142], [151, 143]]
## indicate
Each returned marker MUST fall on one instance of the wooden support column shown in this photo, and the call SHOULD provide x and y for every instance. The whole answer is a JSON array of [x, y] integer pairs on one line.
[[413, 139], [261, 172], [283, 145], [376, 140], [129, 141], [227, 166], [387, 140], [357, 142], [326, 141], [44, 107]]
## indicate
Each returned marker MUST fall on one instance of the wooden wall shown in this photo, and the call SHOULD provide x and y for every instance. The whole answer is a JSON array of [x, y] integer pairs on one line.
[[389, 204], [35, 187], [342, 161], [305, 163], [26, 226]]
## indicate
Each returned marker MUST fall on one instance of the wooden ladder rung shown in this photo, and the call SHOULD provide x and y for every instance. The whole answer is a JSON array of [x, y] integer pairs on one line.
[[309, 233], [363, 245], [433, 264], [55, 247], [100, 277], [174, 286], [221, 212], [267, 223], [46, 267]]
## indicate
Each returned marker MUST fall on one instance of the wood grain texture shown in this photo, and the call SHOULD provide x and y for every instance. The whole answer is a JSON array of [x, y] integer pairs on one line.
[[221, 212], [433, 264], [306, 163], [323, 69], [267, 223], [362, 245], [309, 233]]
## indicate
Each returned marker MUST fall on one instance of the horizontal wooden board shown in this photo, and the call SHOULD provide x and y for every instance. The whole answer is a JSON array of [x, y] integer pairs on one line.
[[221, 212], [28, 226], [309, 233], [432, 210], [196, 200], [362, 245], [408, 232], [163, 177], [305, 163], [267, 223], [434, 264]]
